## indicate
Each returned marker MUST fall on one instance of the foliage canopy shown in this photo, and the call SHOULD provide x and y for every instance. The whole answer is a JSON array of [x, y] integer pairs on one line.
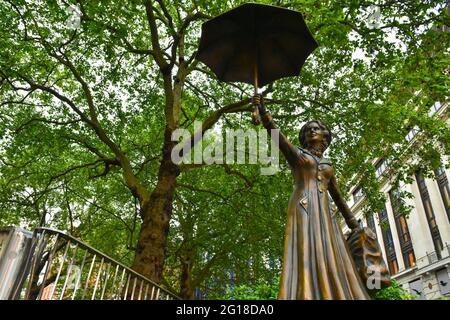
[[86, 112]]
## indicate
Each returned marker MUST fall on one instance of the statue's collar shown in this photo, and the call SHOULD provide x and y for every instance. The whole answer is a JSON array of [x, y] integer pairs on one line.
[[319, 160]]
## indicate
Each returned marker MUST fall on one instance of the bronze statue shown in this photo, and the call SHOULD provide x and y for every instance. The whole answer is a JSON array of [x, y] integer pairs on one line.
[[243, 45], [317, 263]]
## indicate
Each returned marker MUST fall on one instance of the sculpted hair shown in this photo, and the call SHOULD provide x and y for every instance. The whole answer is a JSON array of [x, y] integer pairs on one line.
[[323, 127]]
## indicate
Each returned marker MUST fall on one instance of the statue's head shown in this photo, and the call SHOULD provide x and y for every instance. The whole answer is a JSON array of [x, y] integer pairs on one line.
[[315, 134]]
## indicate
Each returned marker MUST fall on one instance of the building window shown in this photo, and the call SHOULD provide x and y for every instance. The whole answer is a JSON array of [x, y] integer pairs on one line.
[[443, 281], [444, 188], [412, 133], [383, 215], [434, 108], [434, 230], [380, 167], [416, 288], [388, 242], [371, 223], [402, 228], [393, 266], [357, 194], [411, 258]]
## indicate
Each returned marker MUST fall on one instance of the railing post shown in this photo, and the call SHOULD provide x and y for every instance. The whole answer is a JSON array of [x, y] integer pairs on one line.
[[14, 266], [33, 258]]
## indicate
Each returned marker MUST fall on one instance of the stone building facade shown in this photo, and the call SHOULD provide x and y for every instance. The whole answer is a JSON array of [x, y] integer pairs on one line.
[[416, 247]]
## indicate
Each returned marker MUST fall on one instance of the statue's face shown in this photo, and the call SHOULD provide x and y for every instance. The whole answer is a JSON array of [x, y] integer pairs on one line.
[[314, 134]]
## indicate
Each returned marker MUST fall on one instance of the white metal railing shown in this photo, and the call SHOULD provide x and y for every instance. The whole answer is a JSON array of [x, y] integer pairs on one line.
[[15, 246], [434, 256], [61, 267]]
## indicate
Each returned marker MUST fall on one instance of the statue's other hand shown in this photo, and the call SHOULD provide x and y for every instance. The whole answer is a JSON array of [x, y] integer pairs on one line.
[[257, 100]]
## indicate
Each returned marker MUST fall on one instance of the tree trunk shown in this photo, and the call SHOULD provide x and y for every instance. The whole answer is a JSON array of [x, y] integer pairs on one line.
[[156, 213], [187, 287]]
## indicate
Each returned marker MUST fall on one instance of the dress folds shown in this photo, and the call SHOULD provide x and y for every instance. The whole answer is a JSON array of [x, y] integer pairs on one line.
[[317, 264]]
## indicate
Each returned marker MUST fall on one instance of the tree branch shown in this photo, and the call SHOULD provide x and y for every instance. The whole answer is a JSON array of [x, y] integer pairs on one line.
[[192, 188], [60, 123], [158, 55], [239, 106], [228, 170]]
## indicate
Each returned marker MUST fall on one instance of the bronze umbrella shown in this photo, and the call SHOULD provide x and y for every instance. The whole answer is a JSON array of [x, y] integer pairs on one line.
[[255, 44]]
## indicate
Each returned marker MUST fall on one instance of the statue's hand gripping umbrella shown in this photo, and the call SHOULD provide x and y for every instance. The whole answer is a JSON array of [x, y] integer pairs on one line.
[[255, 44]]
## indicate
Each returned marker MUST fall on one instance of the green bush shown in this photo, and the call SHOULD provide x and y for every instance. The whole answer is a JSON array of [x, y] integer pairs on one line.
[[393, 292], [260, 291], [265, 291]]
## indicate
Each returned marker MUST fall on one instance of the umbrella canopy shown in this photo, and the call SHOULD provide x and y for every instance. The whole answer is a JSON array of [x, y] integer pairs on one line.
[[255, 44]]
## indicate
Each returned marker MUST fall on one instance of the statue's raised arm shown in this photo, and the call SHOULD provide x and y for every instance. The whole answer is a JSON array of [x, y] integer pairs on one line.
[[317, 263], [289, 151]]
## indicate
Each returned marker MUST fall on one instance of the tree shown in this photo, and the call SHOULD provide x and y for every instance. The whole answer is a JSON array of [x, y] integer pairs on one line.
[[230, 226], [88, 113]]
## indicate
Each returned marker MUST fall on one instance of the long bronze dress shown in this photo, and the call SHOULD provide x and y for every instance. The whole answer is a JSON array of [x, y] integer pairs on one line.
[[317, 264]]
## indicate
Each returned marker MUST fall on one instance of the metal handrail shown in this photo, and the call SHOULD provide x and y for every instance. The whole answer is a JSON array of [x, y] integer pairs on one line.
[[15, 247], [54, 273], [434, 256]]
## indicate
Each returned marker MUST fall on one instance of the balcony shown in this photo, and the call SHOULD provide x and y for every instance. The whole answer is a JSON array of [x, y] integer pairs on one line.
[[434, 258]]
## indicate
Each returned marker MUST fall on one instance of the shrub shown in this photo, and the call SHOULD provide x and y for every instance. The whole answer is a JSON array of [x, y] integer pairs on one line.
[[394, 292], [260, 291]]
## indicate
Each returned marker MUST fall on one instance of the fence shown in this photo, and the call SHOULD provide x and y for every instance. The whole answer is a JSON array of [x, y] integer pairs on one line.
[[15, 248], [61, 267], [434, 256]]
